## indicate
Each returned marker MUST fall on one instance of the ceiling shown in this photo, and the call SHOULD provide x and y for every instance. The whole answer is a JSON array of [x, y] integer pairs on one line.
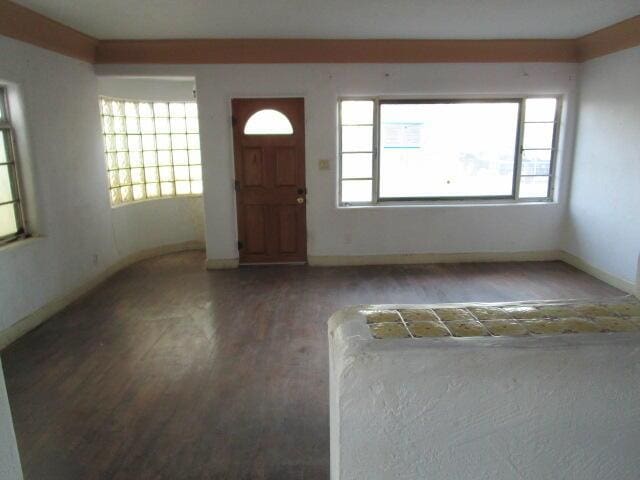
[[478, 19]]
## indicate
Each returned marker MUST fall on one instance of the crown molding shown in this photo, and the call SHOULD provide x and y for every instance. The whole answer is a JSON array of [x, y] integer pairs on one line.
[[227, 51], [23, 24], [620, 36], [28, 26]]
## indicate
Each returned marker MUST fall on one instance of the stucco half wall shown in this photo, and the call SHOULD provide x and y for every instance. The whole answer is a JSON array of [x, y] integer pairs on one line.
[[483, 408]]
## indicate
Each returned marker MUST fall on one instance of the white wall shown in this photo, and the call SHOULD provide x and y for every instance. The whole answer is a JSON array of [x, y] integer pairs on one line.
[[603, 219], [146, 225], [9, 459], [77, 235], [165, 89], [334, 231], [528, 408], [54, 104]]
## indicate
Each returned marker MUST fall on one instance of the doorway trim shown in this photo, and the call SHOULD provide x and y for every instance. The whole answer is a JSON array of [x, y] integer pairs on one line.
[[281, 183]]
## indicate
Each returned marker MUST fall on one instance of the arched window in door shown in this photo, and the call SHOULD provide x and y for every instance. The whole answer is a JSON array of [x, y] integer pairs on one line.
[[268, 122]]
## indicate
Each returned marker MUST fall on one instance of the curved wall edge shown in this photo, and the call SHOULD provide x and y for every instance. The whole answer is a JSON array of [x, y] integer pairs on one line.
[[39, 316]]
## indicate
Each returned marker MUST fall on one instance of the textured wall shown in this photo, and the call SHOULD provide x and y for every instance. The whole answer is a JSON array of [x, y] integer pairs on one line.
[[492, 408]]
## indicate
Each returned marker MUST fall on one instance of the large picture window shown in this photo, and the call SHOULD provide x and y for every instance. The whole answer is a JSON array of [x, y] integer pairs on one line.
[[152, 149], [12, 225], [438, 150]]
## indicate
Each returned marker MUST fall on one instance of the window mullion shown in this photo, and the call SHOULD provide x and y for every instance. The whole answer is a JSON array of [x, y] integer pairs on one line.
[[14, 178], [375, 153], [339, 172], [157, 152], [173, 169], [554, 151], [186, 129], [143, 184], [519, 149]]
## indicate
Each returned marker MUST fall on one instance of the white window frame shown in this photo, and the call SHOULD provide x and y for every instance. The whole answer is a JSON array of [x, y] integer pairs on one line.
[[6, 129], [514, 198]]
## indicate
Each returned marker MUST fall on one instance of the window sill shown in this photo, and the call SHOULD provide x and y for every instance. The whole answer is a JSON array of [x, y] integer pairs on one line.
[[449, 204], [19, 243], [147, 200]]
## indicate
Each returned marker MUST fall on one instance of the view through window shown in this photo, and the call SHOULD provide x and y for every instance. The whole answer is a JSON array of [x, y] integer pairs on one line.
[[152, 149], [11, 213], [410, 150], [447, 150], [268, 122]]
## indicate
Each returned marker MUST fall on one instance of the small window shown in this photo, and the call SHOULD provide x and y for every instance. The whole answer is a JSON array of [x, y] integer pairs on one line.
[[538, 147], [268, 122], [457, 149], [152, 149], [12, 225], [356, 136]]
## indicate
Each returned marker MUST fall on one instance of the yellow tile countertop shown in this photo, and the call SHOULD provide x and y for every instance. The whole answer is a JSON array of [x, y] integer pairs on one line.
[[505, 320]]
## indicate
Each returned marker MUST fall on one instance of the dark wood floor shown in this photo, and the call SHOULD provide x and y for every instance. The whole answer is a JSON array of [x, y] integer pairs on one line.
[[168, 371]]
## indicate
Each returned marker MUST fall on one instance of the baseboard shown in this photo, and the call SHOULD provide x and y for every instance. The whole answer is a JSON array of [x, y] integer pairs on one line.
[[418, 258], [425, 258], [37, 317], [34, 319], [222, 263], [600, 274]]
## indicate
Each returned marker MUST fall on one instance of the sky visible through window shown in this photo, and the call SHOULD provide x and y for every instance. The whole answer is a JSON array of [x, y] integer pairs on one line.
[[11, 218], [451, 149], [268, 122], [447, 150]]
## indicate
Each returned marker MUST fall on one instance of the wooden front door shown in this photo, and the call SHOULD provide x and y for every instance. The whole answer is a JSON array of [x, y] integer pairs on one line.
[[268, 137]]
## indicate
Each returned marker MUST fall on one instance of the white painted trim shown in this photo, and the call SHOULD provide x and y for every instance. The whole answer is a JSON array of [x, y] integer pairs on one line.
[[34, 319], [417, 258], [222, 263], [600, 274]]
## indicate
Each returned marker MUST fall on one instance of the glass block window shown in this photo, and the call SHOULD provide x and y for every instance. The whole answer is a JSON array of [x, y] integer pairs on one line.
[[152, 149], [12, 225]]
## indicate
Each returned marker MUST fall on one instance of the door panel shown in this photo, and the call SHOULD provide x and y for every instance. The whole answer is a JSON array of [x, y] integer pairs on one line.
[[286, 167], [287, 218], [252, 167], [270, 184], [255, 217]]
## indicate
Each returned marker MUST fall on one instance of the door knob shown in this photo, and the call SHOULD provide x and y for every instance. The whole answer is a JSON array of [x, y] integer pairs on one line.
[[300, 200]]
